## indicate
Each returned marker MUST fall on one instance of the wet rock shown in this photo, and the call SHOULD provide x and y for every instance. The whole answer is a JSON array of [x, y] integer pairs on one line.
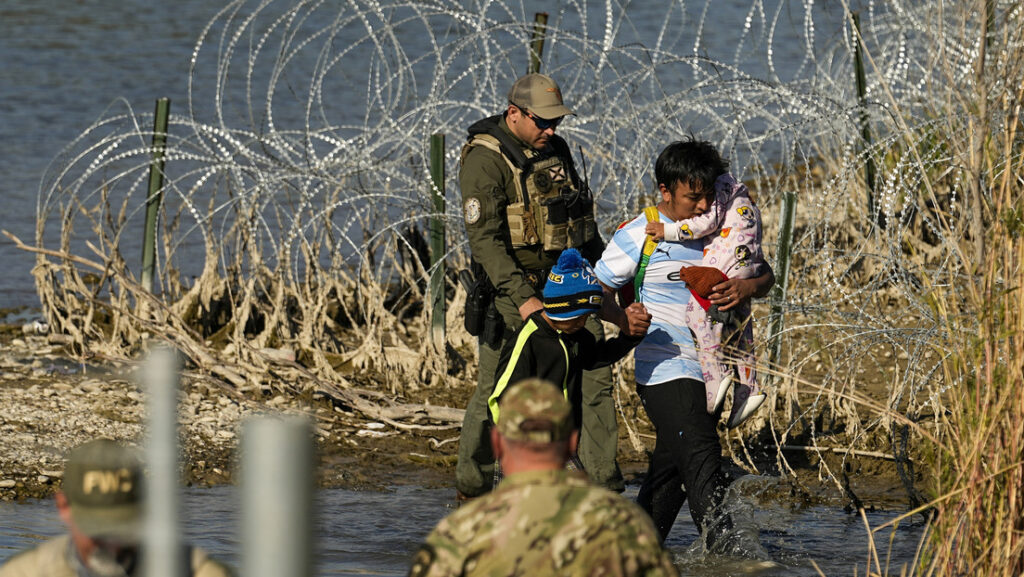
[[90, 387]]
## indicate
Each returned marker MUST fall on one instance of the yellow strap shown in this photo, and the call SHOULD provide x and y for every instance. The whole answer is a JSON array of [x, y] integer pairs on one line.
[[651, 212]]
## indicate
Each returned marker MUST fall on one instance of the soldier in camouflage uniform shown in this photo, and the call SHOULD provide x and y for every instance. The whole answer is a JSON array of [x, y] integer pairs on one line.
[[542, 520], [100, 504], [523, 203]]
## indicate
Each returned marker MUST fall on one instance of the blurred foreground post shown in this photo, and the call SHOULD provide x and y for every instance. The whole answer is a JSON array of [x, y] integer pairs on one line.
[[437, 243], [155, 196], [162, 544], [277, 497]]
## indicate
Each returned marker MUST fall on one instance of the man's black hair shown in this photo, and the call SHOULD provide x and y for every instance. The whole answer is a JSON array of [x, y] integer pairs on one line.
[[691, 161]]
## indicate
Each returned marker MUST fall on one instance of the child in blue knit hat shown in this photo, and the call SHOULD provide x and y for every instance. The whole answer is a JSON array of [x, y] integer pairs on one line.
[[551, 346]]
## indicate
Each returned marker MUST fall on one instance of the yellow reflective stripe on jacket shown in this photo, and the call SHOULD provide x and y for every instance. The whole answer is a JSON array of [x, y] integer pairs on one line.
[[503, 381]]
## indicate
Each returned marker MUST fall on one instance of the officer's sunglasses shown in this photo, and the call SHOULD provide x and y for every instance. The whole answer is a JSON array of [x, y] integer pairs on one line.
[[542, 123]]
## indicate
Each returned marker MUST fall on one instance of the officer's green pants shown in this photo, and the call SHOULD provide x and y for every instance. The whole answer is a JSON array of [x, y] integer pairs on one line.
[[474, 473]]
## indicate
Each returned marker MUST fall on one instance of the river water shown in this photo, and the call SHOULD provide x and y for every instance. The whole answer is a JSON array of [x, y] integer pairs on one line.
[[67, 63], [375, 533]]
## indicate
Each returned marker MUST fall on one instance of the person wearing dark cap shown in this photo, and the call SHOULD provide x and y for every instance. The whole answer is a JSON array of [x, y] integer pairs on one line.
[[542, 519], [523, 202], [100, 503]]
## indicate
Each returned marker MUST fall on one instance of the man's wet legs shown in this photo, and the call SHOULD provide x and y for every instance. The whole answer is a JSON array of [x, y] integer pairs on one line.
[[661, 493], [688, 450]]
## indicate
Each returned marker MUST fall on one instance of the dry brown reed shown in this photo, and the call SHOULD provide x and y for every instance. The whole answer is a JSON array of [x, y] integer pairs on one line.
[[979, 523], [976, 442]]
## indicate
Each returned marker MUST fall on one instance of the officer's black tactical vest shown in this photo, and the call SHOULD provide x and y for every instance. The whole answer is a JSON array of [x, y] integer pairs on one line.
[[557, 209]]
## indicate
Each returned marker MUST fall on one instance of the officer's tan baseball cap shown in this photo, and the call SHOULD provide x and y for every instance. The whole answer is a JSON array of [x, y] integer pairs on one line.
[[535, 410], [539, 94], [103, 483]]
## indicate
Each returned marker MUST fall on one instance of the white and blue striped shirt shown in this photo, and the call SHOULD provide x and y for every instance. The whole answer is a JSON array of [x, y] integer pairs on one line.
[[667, 352]]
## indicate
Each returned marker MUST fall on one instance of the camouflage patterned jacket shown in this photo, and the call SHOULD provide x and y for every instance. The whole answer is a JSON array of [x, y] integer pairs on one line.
[[545, 523]]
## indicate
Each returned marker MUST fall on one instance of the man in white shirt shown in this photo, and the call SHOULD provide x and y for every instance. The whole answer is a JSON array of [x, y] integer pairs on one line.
[[687, 451]]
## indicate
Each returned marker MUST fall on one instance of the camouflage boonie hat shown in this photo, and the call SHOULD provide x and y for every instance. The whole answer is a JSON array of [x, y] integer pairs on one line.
[[539, 94], [535, 410], [103, 484]]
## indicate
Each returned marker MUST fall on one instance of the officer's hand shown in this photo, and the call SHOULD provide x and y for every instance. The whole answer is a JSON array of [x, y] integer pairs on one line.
[[531, 306], [638, 320]]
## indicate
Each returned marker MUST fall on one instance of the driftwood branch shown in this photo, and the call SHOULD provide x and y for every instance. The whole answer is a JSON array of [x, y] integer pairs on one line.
[[841, 450]]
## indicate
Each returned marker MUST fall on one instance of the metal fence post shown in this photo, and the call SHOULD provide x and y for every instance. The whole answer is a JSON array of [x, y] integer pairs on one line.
[[155, 196], [437, 242], [540, 25], [782, 257], [865, 125]]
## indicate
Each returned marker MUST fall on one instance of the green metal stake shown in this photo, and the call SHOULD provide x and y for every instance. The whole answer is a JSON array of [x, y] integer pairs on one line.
[[155, 196], [783, 256], [540, 25], [437, 241], [865, 126]]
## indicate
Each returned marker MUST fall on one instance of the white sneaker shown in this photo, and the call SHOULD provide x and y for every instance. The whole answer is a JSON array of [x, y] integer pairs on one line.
[[720, 395], [742, 412]]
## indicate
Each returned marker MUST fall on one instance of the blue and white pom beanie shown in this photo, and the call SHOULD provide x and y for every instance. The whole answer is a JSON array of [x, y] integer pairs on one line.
[[572, 289]]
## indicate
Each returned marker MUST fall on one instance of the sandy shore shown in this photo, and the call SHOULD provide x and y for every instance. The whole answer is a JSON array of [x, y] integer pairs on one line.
[[50, 402]]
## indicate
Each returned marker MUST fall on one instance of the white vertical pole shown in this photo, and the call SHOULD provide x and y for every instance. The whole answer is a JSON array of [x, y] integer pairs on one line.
[[163, 553], [277, 503]]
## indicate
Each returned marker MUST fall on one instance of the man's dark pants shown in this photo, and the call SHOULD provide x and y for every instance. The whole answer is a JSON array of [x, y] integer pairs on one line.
[[687, 453]]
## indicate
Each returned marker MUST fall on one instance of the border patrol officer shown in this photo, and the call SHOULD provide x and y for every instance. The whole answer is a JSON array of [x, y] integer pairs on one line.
[[523, 203], [542, 519], [101, 506]]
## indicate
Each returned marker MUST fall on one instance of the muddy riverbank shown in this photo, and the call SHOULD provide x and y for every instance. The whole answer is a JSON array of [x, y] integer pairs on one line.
[[51, 401]]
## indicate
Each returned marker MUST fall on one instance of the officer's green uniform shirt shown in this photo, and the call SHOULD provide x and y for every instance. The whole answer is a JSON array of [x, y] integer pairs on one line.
[[487, 187], [544, 523]]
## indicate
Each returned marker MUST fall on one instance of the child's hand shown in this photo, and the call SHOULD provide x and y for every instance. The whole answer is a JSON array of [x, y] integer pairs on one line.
[[638, 320], [656, 230]]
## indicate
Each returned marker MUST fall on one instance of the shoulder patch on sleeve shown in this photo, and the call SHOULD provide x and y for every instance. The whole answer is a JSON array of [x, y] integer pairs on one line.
[[471, 210]]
